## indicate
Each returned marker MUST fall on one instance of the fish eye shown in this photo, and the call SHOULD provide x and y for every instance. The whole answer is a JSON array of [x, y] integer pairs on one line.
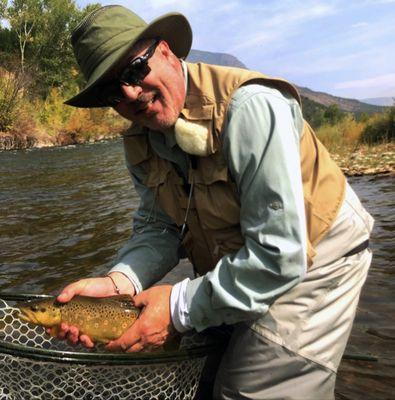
[[42, 309], [34, 308]]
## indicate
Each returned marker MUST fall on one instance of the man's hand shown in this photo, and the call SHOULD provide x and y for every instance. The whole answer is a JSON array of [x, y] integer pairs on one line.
[[153, 327], [94, 287]]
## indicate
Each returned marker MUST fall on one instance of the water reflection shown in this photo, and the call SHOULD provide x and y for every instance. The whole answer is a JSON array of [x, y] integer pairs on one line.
[[65, 211]]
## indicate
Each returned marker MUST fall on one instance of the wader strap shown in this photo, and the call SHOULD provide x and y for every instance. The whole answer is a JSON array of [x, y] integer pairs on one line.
[[364, 245]]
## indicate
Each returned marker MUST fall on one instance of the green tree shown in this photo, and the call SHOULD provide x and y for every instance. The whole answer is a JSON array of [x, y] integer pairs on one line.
[[363, 117], [3, 7], [381, 128], [52, 54], [333, 114], [88, 9], [24, 16], [313, 112], [39, 37]]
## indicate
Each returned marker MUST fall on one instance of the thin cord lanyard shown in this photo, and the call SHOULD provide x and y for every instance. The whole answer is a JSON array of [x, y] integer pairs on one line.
[[184, 225], [193, 165]]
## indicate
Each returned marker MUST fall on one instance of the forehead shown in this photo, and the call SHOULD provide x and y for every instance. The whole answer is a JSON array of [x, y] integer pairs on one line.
[[140, 47]]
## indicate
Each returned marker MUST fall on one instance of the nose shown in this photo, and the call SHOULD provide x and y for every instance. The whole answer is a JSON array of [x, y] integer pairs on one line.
[[131, 92]]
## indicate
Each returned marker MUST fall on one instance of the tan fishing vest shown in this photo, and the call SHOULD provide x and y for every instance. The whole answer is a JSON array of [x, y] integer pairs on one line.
[[214, 214]]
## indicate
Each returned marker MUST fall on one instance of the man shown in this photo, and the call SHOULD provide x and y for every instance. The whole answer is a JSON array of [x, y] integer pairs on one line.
[[230, 173]]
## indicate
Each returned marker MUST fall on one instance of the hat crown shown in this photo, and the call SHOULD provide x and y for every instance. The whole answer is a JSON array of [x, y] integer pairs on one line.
[[102, 32]]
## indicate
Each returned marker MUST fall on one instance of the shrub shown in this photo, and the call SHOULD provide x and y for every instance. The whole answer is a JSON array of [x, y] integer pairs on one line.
[[350, 129], [380, 128], [330, 135], [10, 89], [345, 132]]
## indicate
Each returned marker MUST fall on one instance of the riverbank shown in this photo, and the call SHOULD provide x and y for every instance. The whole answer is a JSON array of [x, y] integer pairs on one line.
[[56, 125], [366, 160], [26, 141], [353, 160]]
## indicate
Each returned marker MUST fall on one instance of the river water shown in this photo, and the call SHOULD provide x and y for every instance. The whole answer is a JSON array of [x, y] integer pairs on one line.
[[64, 213]]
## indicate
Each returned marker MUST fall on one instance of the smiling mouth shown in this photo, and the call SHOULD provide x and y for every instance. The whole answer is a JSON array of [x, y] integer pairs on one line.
[[142, 106]]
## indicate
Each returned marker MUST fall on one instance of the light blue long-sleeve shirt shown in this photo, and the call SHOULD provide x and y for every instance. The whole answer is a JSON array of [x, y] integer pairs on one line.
[[261, 147]]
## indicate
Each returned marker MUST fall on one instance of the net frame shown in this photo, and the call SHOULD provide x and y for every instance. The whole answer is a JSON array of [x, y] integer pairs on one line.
[[124, 375]]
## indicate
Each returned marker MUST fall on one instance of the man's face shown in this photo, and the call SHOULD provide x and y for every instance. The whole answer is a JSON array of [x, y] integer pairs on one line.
[[158, 100]]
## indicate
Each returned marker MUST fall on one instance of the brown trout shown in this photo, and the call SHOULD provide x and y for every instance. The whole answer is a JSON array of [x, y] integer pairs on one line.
[[102, 319]]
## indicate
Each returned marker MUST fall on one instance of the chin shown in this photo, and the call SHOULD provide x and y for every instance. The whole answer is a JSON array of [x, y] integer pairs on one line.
[[161, 123]]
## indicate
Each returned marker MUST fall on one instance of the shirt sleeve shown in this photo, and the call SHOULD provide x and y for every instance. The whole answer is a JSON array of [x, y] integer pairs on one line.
[[152, 250], [261, 144]]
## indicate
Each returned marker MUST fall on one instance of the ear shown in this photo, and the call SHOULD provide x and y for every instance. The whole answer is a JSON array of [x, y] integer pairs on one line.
[[164, 48]]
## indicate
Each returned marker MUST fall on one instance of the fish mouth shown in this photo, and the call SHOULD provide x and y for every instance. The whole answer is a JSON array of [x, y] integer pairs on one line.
[[26, 315]]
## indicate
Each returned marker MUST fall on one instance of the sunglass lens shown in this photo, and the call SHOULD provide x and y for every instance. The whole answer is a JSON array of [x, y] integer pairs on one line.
[[135, 73]]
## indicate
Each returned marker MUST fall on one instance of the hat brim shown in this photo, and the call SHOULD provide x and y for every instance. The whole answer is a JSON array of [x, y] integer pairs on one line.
[[174, 28]]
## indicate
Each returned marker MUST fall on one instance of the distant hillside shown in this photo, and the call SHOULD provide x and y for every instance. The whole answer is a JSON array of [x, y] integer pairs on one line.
[[350, 105], [380, 101], [323, 99], [214, 58]]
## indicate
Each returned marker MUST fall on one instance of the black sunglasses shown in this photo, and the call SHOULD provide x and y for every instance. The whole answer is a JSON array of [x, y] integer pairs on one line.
[[110, 93]]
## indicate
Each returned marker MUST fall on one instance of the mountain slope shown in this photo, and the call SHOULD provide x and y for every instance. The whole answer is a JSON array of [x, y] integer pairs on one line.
[[349, 105], [214, 58], [324, 99], [380, 101]]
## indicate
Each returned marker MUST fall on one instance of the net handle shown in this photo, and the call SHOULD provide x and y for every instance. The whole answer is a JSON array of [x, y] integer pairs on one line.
[[22, 296]]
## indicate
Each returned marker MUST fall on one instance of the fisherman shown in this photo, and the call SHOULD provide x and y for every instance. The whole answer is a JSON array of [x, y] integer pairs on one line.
[[229, 174]]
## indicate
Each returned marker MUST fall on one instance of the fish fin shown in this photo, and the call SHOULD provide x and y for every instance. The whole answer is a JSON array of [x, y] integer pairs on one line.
[[54, 331]]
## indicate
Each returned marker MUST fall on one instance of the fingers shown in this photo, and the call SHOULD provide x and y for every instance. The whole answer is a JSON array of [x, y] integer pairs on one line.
[[143, 346], [71, 334], [131, 342], [70, 291], [140, 299], [137, 347], [124, 342], [86, 341]]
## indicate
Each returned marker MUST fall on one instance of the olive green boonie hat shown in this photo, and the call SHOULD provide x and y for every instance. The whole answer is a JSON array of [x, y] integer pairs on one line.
[[105, 37]]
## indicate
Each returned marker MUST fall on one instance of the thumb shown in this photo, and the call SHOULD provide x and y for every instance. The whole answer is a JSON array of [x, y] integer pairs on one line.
[[66, 295], [140, 299], [69, 292]]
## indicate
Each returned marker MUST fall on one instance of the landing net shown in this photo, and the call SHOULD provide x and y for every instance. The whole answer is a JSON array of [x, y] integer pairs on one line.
[[34, 365]]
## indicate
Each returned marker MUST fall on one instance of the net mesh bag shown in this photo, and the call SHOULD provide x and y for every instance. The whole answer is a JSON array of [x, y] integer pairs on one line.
[[34, 365]]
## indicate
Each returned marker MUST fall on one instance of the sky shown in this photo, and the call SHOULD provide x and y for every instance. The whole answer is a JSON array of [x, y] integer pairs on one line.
[[342, 47]]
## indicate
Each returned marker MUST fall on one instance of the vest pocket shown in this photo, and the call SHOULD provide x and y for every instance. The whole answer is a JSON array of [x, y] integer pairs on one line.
[[167, 186], [217, 205]]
